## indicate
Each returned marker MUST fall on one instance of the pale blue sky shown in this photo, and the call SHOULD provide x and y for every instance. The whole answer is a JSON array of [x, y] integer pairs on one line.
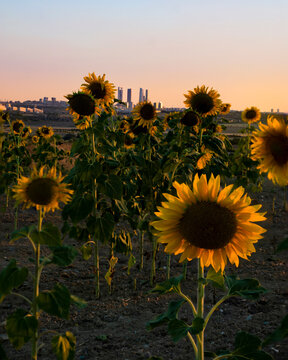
[[237, 47]]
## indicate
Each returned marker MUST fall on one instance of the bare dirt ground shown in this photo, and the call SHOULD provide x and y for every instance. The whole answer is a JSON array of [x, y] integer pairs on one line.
[[113, 327]]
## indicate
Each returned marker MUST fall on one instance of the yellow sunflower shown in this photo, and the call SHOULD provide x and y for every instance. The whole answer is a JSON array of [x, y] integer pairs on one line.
[[83, 122], [202, 101], [190, 118], [205, 158], [42, 190], [17, 126], [35, 139], [124, 126], [225, 108], [137, 130], [209, 223], [81, 104], [145, 113], [251, 115], [102, 90], [128, 140], [26, 132], [270, 148], [46, 132]]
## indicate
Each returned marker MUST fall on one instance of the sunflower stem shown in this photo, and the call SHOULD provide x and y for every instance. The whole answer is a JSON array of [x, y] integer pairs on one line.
[[207, 318], [153, 266], [193, 344], [168, 266], [200, 310], [35, 311], [141, 238]]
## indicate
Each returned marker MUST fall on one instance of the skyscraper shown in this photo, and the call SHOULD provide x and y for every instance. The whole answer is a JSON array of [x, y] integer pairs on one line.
[[120, 93], [141, 95], [146, 95], [129, 96]]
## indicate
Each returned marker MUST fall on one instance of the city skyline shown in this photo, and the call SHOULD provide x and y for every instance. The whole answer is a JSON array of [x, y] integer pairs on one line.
[[238, 48]]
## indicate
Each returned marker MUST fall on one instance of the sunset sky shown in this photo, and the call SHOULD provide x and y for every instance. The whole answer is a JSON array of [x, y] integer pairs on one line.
[[238, 47]]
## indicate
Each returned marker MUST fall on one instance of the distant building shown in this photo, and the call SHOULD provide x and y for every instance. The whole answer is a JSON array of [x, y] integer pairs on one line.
[[45, 99], [120, 93], [141, 95], [129, 96], [160, 105], [155, 105], [146, 95], [53, 99]]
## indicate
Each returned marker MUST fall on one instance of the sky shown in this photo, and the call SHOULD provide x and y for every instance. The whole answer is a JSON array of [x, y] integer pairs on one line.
[[238, 47]]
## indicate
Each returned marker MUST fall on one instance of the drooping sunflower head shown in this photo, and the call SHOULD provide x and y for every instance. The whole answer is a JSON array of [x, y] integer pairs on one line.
[[190, 118], [205, 158], [208, 223], [42, 190], [17, 126], [102, 90], [140, 129], [81, 104], [225, 108], [46, 132], [251, 115], [35, 139], [26, 132], [144, 113], [270, 148], [205, 102]]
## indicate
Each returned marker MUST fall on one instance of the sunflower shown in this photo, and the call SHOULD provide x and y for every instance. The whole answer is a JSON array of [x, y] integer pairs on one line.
[[251, 115], [35, 139], [190, 118], [139, 129], [83, 122], [81, 104], [225, 108], [45, 131], [102, 90], [209, 224], [17, 126], [145, 113], [202, 101], [204, 158], [42, 190], [25, 132], [124, 126], [270, 147], [128, 140]]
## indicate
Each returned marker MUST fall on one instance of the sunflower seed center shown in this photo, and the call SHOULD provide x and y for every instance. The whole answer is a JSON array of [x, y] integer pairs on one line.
[[82, 104], [190, 119], [98, 90], [208, 225], [17, 127], [42, 191], [251, 114], [147, 112], [279, 149], [202, 103]]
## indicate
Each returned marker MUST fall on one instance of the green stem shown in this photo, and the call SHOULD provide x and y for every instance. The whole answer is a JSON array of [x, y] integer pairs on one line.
[[193, 344], [168, 266], [22, 297], [141, 238], [213, 309], [190, 302], [200, 310], [153, 266], [35, 312]]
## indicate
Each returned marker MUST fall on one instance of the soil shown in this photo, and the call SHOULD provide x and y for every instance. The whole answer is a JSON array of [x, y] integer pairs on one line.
[[114, 326]]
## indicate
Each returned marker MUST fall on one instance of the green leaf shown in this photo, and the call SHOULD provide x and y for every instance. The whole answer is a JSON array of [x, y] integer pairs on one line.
[[177, 329], [49, 235], [63, 255], [283, 245], [104, 227], [246, 288], [279, 334], [170, 314], [79, 208], [11, 277], [22, 233], [109, 275], [3, 355], [80, 303], [112, 187], [216, 279], [170, 285], [197, 326], [249, 347], [131, 262], [55, 302], [86, 251], [20, 327], [64, 346]]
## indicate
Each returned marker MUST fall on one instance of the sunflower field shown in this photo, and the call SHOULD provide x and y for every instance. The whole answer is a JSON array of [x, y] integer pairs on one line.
[[145, 236]]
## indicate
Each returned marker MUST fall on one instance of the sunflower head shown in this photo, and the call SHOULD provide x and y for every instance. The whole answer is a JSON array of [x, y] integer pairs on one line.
[[35, 139], [205, 102], [251, 115], [124, 126], [42, 190], [144, 113], [81, 104], [46, 132], [17, 127], [102, 90], [26, 132], [140, 129], [83, 122], [190, 118], [128, 140], [225, 108], [208, 223], [270, 148], [205, 158]]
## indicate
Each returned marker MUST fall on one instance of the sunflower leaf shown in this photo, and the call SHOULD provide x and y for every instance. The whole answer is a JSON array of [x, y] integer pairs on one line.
[[170, 314], [20, 327], [22, 233], [246, 288], [64, 346], [49, 235], [86, 251], [216, 279], [279, 334], [63, 255], [56, 301], [11, 277], [171, 285], [283, 245], [249, 347], [177, 329]]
